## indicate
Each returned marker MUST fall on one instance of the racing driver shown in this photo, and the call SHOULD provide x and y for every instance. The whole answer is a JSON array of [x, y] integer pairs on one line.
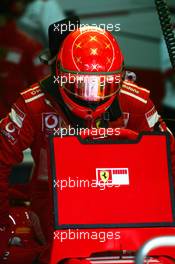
[[86, 88]]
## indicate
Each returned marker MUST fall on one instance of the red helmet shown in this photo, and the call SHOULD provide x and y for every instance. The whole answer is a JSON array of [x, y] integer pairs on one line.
[[90, 67]]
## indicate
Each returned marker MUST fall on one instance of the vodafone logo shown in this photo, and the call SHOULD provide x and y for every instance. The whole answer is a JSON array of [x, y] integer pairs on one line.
[[10, 127], [11, 132], [50, 121]]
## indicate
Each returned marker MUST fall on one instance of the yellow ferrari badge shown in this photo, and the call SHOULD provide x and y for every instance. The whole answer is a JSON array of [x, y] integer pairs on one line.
[[104, 175]]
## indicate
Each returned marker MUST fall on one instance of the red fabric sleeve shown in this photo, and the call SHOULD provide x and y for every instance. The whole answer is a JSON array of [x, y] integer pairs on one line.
[[16, 134]]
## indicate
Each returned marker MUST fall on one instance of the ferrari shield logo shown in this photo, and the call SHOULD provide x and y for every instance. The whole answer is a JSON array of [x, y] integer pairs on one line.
[[104, 176], [114, 176]]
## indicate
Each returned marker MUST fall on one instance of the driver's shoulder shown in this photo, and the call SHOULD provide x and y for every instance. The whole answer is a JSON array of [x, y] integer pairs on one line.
[[35, 100], [133, 97], [32, 94]]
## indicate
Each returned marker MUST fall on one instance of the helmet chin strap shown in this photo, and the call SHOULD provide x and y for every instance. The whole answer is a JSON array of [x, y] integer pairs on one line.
[[84, 112]]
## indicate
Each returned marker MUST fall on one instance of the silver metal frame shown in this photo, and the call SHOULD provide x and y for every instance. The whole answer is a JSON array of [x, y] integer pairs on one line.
[[165, 241]]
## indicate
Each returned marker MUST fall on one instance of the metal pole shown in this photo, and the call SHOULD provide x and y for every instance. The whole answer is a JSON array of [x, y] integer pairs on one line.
[[165, 241]]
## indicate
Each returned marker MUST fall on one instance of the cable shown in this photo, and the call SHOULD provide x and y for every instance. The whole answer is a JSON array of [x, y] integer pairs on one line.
[[167, 28]]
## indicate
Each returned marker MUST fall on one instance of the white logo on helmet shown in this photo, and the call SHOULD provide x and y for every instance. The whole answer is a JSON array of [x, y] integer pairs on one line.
[[51, 121], [10, 127]]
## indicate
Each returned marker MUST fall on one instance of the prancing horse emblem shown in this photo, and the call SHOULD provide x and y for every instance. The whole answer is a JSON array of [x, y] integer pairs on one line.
[[104, 175]]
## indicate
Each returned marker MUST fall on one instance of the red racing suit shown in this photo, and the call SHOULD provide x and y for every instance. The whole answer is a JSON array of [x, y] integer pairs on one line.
[[19, 64], [35, 115]]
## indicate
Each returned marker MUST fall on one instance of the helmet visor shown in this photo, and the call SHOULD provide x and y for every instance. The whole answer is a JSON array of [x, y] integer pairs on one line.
[[92, 88]]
